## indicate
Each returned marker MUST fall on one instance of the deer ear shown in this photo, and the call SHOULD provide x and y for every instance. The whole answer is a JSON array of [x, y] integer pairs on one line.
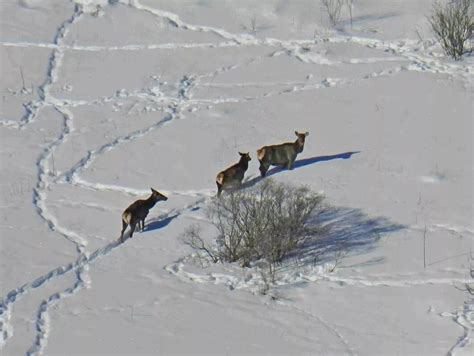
[[153, 191], [242, 154], [296, 133], [306, 133]]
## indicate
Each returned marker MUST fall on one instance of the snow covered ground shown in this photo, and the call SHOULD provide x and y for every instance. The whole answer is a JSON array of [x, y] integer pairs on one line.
[[103, 99]]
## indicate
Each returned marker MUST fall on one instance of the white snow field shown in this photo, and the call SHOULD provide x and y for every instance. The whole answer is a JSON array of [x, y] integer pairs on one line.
[[102, 100]]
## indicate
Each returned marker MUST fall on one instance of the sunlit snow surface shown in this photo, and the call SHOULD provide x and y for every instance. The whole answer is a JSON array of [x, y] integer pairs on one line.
[[102, 100]]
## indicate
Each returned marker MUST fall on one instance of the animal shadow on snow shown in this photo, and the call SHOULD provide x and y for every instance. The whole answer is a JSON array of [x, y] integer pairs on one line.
[[367, 19], [159, 222], [299, 164], [346, 230], [153, 224]]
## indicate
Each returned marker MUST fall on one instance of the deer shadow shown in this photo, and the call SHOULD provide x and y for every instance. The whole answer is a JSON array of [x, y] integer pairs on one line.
[[159, 222], [154, 224], [299, 164], [367, 18], [312, 160], [344, 230]]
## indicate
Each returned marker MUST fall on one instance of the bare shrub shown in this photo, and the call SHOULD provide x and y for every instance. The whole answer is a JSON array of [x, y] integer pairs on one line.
[[469, 287], [333, 9], [339, 255], [267, 221], [452, 25], [267, 280], [253, 24], [192, 238], [349, 4]]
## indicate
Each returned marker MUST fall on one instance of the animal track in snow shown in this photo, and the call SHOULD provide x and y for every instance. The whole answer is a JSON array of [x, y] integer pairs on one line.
[[401, 50]]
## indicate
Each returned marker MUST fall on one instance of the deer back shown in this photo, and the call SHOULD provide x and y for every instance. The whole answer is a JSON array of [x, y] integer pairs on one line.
[[234, 173]]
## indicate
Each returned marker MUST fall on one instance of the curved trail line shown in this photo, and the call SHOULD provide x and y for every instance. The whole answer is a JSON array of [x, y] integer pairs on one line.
[[125, 48], [252, 282], [42, 316], [44, 178], [319, 273], [43, 320], [40, 192], [179, 103], [102, 187], [323, 322], [54, 64], [72, 175], [6, 330], [465, 318], [402, 49], [79, 264]]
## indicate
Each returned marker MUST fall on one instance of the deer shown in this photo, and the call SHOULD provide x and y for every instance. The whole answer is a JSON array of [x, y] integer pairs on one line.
[[138, 211], [233, 175], [283, 154]]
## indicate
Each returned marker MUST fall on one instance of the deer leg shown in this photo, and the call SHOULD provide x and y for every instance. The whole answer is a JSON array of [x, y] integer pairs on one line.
[[264, 168], [143, 225], [124, 226], [219, 189], [132, 228]]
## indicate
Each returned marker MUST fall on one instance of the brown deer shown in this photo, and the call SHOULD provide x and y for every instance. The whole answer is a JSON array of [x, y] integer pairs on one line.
[[281, 155], [233, 175], [138, 211]]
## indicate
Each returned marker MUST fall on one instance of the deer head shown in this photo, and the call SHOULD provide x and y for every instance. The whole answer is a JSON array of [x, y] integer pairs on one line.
[[301, 137], [245, 156], [157, 196]]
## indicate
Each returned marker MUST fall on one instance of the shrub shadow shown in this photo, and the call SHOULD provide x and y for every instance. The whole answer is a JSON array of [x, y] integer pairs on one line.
[[345, 230]]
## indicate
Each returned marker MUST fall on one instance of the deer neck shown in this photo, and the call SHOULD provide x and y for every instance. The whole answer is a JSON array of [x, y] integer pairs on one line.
[[150, 202], [243, 163], [299, 146]]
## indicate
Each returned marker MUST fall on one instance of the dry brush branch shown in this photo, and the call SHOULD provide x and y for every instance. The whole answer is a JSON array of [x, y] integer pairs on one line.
[[452, 25]]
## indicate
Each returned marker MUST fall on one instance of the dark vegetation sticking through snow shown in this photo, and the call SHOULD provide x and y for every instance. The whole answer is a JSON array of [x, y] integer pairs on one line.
[[452, 25], [270, 223]]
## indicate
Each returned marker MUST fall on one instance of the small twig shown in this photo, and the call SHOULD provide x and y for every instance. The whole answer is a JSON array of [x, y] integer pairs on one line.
[[338, 257], [349, 5], [22, 78], [53, 172], [424, 248], [333, 9], [253, 24], [417, 31]]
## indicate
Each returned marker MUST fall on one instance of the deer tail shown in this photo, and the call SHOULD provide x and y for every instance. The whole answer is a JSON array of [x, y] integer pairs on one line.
[[127, 217], [220, 178]]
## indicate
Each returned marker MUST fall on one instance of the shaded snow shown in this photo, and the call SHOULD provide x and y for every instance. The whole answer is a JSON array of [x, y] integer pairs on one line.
[[126, 95]]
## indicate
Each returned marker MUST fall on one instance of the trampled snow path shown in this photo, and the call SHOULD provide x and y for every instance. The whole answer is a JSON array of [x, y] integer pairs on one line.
[[403, 50], [465, 318], [253, 281], [80, 265]]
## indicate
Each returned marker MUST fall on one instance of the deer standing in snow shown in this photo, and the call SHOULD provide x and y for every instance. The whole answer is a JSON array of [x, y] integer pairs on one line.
[[281, 155], [233, 175], [138, 211]]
